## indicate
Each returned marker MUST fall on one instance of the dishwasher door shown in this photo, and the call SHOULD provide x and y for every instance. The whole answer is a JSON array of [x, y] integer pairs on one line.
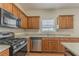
[[36, 44]]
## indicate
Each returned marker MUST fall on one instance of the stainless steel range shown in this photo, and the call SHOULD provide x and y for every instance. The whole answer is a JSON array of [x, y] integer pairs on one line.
[[15, 43]]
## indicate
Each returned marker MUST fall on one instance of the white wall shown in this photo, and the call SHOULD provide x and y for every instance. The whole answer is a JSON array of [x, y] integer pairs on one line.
[[54, 14], [16, 30], [71, 11], [41, 13]]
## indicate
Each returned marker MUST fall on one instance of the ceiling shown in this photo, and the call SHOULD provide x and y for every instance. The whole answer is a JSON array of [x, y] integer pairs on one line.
[[48, 6]]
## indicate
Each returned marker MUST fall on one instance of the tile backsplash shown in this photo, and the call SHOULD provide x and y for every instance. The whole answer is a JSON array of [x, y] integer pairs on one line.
[[3, 29]]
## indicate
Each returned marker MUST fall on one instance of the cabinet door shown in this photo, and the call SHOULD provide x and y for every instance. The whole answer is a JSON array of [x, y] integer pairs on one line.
[[50, 45], [45, 45], [7, 6], [33, 22], [53, 45], [29, 22], [60, 46], [5, 53], [15, 11], [69, 22], [23, 20], [0, 5], [65, 21]]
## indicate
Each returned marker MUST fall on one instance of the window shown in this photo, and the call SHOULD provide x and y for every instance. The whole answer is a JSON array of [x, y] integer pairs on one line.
[[48, 25]]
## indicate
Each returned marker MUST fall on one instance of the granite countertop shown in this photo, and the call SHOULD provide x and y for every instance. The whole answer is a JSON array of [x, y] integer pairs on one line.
[[24, 34], [4, 47], [72, 47], [38, 33]]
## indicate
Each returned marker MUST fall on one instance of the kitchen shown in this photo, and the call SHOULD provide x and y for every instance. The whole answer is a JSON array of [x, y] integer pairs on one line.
[[48, 29]]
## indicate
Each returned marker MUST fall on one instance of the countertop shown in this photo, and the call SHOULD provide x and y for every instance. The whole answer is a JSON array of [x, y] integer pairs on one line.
[[4, 47], [26, 35], [72, 47], [37, 33]]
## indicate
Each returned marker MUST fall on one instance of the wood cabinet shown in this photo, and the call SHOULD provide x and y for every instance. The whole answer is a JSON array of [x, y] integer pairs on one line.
[[33, 22], [15, 11], [18, 13], [65, 21], [12, 8], [47, 45], [23, 20], [7, 6], [50, 45], [5, 53], [0, 5]]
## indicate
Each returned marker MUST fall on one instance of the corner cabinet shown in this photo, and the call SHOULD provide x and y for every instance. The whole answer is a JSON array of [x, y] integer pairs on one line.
[[65, 21]]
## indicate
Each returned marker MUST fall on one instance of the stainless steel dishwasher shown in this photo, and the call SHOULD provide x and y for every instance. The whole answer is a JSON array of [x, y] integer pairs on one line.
[[36, 44]]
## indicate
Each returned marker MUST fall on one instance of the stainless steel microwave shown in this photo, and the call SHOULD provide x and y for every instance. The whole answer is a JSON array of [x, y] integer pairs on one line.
[[9, 20]]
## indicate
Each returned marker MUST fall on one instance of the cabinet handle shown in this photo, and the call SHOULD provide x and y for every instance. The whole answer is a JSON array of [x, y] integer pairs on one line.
[[51, 43]]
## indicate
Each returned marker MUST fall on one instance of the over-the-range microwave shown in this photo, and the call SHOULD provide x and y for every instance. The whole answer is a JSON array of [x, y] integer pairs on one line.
[[8, 20]]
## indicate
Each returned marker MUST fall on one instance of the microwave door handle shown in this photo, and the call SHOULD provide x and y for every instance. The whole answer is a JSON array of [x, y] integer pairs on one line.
[[4, 20]]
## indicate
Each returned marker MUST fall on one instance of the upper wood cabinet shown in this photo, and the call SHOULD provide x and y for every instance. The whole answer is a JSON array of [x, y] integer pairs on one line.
[[65, 21], [23, 20], [12, 8], [33, 22], [7, 6], [0, 5], [15, 11]]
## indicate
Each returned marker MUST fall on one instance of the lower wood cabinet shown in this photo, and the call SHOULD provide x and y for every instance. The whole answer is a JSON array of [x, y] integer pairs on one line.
[[47, 44], [5, 53], [52, 45]]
